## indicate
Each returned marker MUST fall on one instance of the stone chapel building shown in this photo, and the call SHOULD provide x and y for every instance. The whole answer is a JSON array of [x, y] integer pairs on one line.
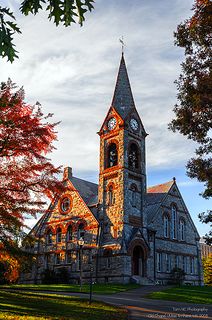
[[130, 232]]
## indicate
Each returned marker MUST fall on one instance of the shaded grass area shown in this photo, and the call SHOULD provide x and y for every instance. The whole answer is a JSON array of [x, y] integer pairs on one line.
[[193, 294], [31, 305], [97, 288]]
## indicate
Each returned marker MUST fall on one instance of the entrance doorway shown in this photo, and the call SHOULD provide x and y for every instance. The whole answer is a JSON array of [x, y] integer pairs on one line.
[[138, 261]]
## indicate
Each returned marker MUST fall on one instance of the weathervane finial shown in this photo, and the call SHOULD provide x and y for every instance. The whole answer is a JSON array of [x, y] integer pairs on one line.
[[122, 44]]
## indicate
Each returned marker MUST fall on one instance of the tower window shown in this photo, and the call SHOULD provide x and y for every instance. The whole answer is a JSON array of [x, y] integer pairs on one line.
[[133, 156], [110, 196], [133, 196], [112, 155]]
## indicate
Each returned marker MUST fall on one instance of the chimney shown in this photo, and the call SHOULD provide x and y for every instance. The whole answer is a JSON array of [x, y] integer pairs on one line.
[[67, 174]]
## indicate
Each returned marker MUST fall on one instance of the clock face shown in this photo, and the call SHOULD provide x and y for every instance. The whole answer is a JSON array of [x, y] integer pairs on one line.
[[134, 124], [111, 123]]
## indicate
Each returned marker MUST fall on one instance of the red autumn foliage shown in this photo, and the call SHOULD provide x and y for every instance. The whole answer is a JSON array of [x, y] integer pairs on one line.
[[26, 175], [9, 267]]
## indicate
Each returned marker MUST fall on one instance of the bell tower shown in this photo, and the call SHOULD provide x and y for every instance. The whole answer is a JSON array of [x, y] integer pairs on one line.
[[122, 177]]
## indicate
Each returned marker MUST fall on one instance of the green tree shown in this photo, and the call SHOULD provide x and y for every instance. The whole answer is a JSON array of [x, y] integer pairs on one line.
[[207, 270], [193, 112], [63, 12], [207, 218]]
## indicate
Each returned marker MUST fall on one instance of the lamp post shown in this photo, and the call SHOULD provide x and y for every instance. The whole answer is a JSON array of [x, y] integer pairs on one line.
[[80, 243], [91, 283]]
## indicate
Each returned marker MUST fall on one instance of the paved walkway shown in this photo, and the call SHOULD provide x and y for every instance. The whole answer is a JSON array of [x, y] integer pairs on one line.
[[140, 308]]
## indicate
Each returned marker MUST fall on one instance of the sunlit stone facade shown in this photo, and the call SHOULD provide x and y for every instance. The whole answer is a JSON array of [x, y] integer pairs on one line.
[[130, 233]]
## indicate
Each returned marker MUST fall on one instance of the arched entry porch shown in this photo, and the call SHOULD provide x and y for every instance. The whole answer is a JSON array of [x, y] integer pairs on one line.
[[138, 251], [138, 261]]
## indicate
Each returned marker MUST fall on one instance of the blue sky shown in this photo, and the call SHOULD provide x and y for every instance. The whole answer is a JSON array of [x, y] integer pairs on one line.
[[72, 73]]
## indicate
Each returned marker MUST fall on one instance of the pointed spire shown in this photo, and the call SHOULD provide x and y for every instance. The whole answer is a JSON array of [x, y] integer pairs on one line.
[[123, 100]]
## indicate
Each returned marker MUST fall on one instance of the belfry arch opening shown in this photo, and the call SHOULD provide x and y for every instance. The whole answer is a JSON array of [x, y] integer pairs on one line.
[[133, 157], [112, 155], [138, 261]]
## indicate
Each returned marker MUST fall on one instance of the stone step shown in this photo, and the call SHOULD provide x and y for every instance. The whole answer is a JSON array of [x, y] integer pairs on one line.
[[142, 280]]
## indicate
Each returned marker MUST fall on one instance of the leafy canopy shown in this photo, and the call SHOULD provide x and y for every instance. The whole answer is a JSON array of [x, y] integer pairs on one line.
[[26, 174], [193, 112], [63, 12]]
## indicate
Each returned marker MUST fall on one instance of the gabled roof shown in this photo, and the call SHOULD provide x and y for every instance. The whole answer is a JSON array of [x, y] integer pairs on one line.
[[160, 188], [123, 100], [155, 196], [87, 190]]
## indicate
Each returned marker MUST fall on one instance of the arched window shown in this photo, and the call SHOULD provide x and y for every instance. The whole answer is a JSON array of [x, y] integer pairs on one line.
[[110, 196], [133, 196], [166, 226], [174, 222], [182, 229], [65, 204], [133, 156], [69, 234], [49, 237], [59, 235], [112, 155], [81, 231], [108, 256]]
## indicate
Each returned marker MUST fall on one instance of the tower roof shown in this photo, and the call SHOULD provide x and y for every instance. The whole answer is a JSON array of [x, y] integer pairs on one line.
[[123, 100]]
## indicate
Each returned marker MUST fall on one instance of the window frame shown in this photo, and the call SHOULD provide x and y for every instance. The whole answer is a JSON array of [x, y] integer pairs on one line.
[[68, 233], [109, 150], [49, 235], [174, 221], [159, 261], [182, 229], [166, 226], [59, 235]]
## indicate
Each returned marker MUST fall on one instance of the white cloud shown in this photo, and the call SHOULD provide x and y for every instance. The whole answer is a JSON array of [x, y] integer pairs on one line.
[[72, 73]]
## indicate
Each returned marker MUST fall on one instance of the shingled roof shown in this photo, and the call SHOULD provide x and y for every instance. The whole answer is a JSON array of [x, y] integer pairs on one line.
[[155, 196], [156, 193], [87, 190], [123, 100]]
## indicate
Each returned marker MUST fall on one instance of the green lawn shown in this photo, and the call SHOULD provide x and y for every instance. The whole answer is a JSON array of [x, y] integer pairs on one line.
[[30, 305], [193, 294], [97, 288]]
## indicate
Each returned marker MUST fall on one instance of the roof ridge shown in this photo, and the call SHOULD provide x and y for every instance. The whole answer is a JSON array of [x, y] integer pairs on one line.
[[84, 180], [160, 184]]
